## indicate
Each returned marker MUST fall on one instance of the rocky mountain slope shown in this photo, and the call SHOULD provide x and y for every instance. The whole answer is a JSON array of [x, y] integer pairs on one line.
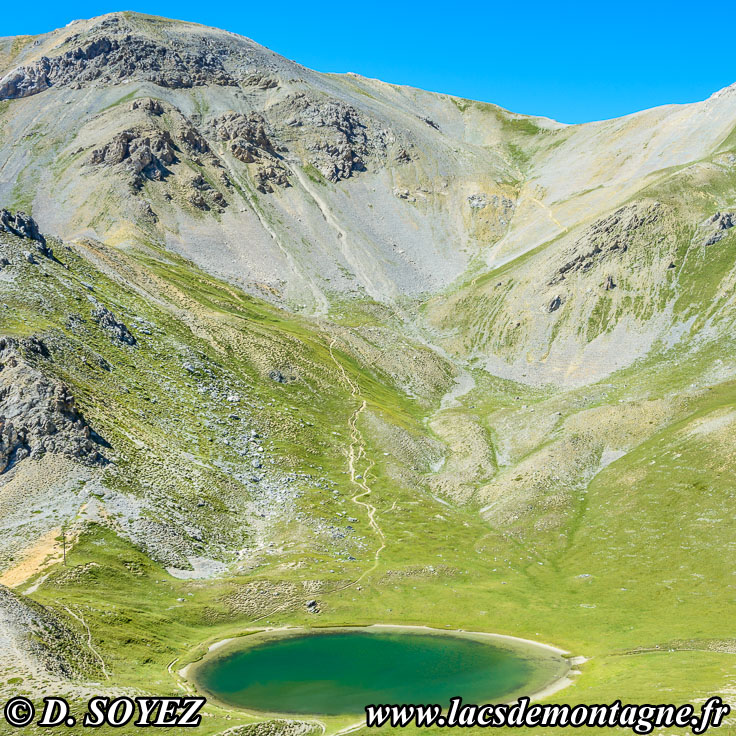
[[280, 347], [137, 131]]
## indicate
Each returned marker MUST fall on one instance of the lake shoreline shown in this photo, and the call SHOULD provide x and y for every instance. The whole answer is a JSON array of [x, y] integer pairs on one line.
[[559, 683]]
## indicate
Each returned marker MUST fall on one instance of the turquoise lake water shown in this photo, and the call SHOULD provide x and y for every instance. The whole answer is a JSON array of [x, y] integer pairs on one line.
[[340, 672]]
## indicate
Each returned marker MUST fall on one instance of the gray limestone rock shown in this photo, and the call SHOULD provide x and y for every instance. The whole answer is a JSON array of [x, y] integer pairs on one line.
[[23, 226], [718, 225], [116, 329], [37, 412]]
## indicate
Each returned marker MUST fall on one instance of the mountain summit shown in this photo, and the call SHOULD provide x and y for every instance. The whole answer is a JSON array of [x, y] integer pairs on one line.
[[307, 188]]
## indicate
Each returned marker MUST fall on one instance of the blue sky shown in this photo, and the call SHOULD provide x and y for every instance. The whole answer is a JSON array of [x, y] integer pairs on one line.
[[570, 61]]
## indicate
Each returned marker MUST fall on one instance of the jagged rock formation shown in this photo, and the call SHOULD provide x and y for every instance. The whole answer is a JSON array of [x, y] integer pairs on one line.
[[38, 413], [260, 81], [23, 226], [107, 59], [609, 236], [146, 153], [248, 141], [338, 139], [202, 196], [25, 81], [149, 105], [107, 321], [268, 175], [246, 135], [148, 150]]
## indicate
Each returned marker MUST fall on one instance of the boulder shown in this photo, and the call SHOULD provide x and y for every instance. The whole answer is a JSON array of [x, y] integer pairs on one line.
[[107, 321]]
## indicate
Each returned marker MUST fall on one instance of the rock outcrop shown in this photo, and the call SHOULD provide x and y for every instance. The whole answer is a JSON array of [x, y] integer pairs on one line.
[[260, 81], [606, 237], [25, 81], [718, 226], [114, 328], [145, 153], [110, 58], [555, 304], [268, 175], [149, 105], [343, 142], [248, 140], [37, 412], [158, 138], [23, 226], [337, 138], [245, 134]]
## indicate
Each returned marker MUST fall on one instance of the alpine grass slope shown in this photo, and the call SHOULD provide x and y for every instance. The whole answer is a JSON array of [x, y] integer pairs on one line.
[[289, 348]]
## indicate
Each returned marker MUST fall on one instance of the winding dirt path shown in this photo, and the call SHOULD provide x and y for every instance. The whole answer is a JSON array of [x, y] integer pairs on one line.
[[548, 210], [90, 646], [356, 452]]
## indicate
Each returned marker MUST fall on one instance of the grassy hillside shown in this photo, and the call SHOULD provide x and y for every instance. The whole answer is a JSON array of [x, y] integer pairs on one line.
[[602, 523], [310, 337]]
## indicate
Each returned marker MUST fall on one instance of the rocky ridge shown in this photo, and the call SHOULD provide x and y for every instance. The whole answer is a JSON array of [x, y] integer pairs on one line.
[[38, 413], [106, 59]]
